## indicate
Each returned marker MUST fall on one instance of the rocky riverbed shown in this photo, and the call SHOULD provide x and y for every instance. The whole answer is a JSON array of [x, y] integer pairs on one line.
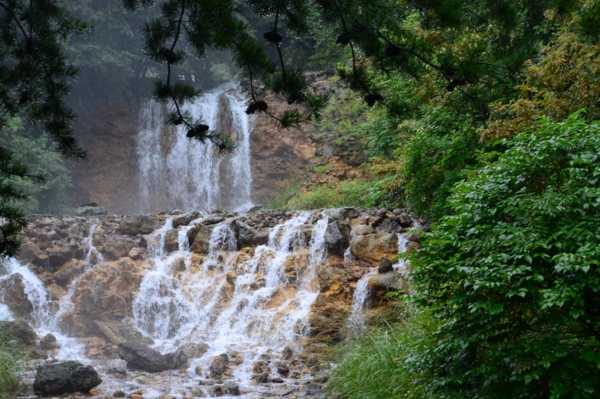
[[245, 305]]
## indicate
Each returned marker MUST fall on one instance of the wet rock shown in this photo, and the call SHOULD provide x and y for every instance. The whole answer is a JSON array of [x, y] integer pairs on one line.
[[105, 292], [182, 220], [18, 330], [231, 388], [283, 370], [372, 247], [385, 265], [201, 241], [405, 220], [389, 226], [70, 270], [119, 394], [48, 342], [243, 233], [58, 255], [28, 251], [363, 229], [260, 238], [214, 220], [136, 253], [45, 239], [138, 224], [349, 213], [118, 372], [172, 240], [277, 380], [139, 356], [218, 365], [12, 294], [334, 238], [118, 246], [389, 281], [66, 377]]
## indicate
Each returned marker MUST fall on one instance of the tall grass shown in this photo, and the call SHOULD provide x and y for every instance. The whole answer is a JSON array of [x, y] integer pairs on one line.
[[334, 195], [12, 360], [378, 364]]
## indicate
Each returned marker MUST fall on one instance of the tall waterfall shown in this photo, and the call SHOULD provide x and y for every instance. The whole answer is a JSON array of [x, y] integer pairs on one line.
[[176, 172]]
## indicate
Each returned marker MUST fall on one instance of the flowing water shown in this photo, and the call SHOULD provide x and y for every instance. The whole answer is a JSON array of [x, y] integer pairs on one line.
[[252, 306], [178, 173]]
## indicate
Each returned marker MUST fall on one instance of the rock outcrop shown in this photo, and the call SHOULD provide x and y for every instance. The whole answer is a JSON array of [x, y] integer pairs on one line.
[[141, 357], [67, 377]]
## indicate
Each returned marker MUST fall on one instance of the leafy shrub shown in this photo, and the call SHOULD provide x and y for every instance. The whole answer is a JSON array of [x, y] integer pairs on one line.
[[512, 276]]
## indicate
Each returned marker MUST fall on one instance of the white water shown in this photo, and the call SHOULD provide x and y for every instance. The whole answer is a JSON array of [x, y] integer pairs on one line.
[[254, 305], [357, 321], [175, 172]]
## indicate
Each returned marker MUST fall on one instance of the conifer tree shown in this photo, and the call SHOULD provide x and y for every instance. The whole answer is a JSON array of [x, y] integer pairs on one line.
[[35, 77]]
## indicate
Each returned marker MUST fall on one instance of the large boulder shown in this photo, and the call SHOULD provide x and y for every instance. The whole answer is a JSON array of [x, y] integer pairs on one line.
[[172, 240], [66, 377], [58, 254], [243, 233], [390, 281], [12, 294], [200, 244], [372, 247], [138, 224], [182, 220], [70, 270], [105, 292], [139, 356], [389, 225], [28, 251], [335, 239], [18, 330], [118, 246]]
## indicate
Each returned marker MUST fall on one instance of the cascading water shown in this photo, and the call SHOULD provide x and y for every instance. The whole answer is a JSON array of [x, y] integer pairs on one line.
[[176, 172], [254, 305], [357, 321]]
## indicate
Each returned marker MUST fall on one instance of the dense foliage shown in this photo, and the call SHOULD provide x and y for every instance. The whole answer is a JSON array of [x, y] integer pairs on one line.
[[512, 276]]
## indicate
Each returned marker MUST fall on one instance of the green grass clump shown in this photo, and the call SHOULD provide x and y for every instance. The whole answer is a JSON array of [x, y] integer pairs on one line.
[[378, 365], [335, 195]]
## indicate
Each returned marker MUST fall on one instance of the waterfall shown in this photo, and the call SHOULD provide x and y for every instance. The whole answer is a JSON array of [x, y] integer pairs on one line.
[[175, 172], [253, 305]]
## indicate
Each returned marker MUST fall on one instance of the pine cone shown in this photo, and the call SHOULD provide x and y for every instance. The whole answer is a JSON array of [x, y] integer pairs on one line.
[[168, 55], [372, 98], [392, 51], [261, 105], [164, 92], [343, 39], [273, 37], [251, 109], [358, 26]]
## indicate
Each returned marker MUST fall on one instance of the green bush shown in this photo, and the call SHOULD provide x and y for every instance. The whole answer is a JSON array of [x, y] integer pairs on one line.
[[512, 275]]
